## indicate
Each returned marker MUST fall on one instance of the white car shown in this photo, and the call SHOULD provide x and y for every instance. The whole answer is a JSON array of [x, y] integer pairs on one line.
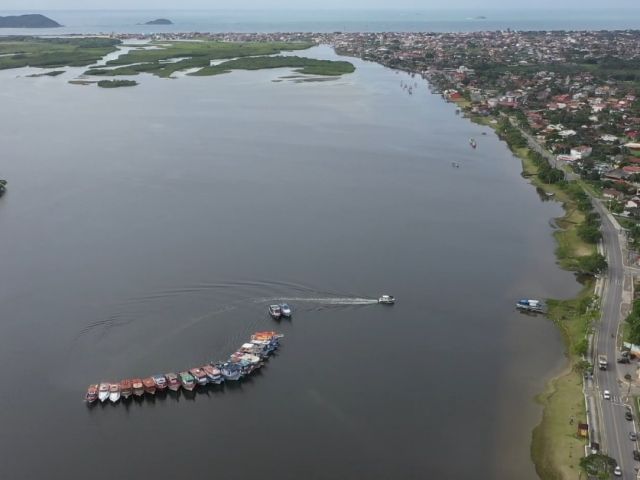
[[617, 471], [606, 395]]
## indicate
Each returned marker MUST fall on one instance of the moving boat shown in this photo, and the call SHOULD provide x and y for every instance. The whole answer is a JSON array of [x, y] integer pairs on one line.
[[149, 385], [285, 310], [213, 374], [187, 381], [160, 381], [387, 299], [126, 388], [103, 391], [275, 311], [200, 376], [173, 382], [530, 305], [114, 392], [138, 387], [472, 142], [92, 394]]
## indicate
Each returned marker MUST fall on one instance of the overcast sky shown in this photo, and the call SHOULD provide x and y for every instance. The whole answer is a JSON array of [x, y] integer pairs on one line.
[[309, 4]]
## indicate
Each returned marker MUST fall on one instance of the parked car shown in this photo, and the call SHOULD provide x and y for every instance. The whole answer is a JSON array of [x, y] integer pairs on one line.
[[633, 436], [636, 455], [628, 415], [617, 471], [624, 360]]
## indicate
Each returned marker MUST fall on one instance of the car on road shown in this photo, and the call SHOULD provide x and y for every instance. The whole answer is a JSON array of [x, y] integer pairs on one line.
[[606, 395], [628, 415], [636, 455], [617, 471], [633, 436]]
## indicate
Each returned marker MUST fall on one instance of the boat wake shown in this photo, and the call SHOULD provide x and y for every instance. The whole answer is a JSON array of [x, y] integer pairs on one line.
[[322, 301], [199, 303]]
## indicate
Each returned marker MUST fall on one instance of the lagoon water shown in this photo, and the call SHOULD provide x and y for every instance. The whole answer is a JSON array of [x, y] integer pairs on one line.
[[146, 230]]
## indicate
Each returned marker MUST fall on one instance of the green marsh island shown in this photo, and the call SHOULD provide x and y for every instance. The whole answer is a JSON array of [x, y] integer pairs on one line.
[[204, 58], [162, 58]]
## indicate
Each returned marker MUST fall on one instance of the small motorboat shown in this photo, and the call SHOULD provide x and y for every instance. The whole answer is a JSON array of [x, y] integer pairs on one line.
[[160, 381], [149, 385], [530, 305], [200, 376], [472, 142], [285, 310], [275, 311], [173, 382], [126, 388], [187, 381], [103, 391], [138, 387], [387, 299], [92, 394], [114, 392]]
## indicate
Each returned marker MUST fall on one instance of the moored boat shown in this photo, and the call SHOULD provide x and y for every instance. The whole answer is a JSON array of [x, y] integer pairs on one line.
[[92, 394], [114, 392], [231, 371], [103, 391], [530, 305], [160, 381], [126, 388], [138, 387], [200, 375], [187, 381], [213, 374], [149, 385], [172, 381]]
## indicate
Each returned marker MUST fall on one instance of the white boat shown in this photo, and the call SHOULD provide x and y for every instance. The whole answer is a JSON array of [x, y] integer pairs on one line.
[[387, 299], [103, 391], [530, 305], [275, 311], [114, 392], [285, 310]]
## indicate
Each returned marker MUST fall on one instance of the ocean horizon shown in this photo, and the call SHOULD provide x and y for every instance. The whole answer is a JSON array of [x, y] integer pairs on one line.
[[313, 20]]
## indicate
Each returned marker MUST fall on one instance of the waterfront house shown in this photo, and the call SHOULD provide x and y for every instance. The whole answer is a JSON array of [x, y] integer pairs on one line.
[[611, 194]]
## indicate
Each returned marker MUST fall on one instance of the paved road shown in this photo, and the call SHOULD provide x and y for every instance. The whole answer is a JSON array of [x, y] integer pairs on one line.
[[610, 428], [614, 428]]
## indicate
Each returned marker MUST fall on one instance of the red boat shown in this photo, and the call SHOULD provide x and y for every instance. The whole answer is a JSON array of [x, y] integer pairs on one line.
[[92, 394], [172, 381], [200, 375], [149, 385], [138, 388], [126, 388]]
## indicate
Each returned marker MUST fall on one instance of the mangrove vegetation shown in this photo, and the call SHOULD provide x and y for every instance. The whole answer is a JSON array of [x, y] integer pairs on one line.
[[25, 51]]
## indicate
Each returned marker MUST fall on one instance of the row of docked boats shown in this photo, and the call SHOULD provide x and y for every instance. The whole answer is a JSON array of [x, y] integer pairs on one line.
[[248, 358]]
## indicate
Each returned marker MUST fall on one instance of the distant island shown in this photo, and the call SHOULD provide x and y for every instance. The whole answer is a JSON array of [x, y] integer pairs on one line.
[[28, 21], [159, 21]]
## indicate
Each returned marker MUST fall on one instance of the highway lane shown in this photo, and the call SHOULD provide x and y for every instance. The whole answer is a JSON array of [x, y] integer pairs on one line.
[[614, 428]]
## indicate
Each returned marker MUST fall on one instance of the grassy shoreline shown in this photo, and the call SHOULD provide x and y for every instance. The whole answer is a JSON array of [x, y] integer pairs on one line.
[[556, 448]]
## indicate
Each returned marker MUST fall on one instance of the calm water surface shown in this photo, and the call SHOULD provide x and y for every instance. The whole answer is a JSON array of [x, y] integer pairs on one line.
[[330, 20], [147, 229]]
